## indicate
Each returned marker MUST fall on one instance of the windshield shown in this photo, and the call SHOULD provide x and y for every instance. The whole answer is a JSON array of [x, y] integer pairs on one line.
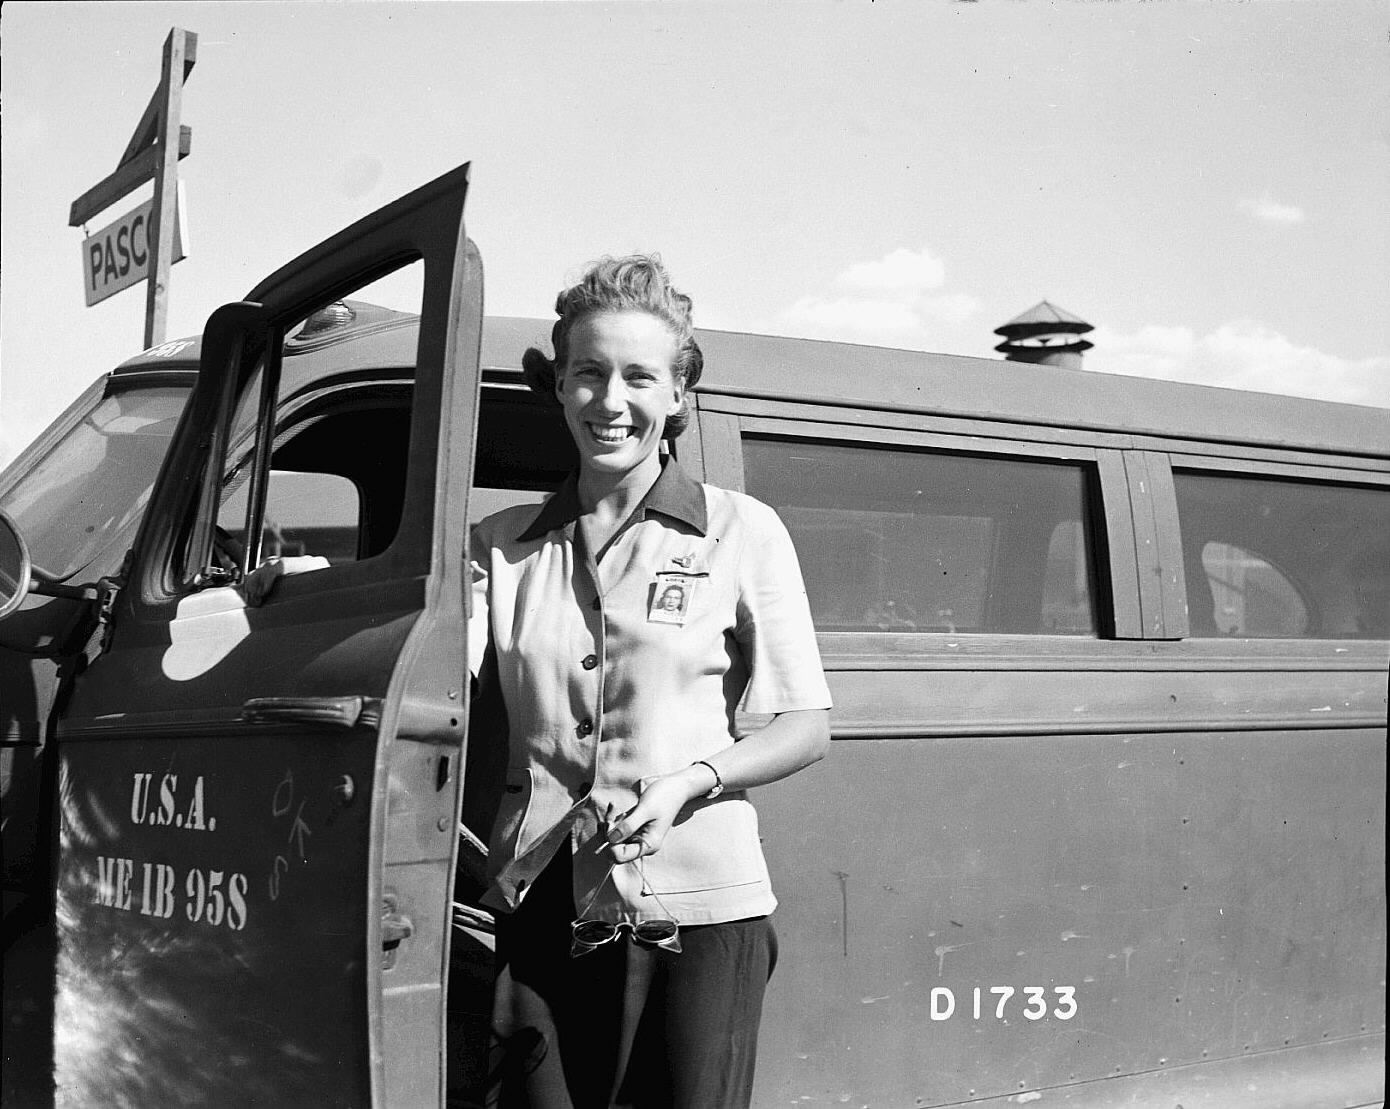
[[96, 480]]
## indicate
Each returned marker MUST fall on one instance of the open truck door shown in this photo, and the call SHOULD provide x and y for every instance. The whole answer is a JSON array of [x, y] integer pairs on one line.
[[258, 806]]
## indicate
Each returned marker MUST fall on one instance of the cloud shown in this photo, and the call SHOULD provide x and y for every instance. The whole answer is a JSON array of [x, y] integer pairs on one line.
[[896, 300], [903, 273], [1268, 210], [1242, 354]]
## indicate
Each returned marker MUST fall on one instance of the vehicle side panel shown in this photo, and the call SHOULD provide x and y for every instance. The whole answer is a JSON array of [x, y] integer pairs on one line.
[[1160, 860], [210, 911], [1208, 894]]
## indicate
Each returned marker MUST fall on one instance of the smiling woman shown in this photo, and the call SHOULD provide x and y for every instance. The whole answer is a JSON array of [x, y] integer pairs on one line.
[[618, 390], [625, 622]]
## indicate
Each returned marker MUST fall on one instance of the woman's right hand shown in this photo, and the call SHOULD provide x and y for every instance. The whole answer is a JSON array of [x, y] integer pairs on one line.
[[260, 582], [642, 829]]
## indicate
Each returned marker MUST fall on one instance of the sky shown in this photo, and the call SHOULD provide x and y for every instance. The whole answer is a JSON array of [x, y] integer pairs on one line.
[[1206, 183]]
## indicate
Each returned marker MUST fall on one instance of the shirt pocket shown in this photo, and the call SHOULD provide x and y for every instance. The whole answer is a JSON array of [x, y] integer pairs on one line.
[[716, 847]]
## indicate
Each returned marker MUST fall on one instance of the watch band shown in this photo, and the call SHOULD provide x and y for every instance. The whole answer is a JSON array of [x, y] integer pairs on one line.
[[718, 779]]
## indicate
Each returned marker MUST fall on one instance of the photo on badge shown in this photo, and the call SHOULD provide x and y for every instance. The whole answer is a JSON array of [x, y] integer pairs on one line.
[[671, 596]]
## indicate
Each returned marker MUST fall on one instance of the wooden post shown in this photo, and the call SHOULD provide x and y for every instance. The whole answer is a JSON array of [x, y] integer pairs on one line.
[[169, 98], [153, 153]]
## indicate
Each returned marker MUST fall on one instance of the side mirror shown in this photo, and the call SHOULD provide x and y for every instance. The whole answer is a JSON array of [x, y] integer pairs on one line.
[[15, 567]]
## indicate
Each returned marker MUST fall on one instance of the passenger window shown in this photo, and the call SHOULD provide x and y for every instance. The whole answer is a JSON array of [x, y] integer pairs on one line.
[[1066, 601], [1268, 558], [1249, 596], [929, 541]]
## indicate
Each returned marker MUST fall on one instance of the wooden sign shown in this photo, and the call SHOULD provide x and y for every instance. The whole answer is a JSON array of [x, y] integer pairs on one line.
[[118, 256]]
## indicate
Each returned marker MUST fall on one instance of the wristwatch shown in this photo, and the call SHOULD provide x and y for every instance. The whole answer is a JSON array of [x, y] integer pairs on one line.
[[718, 781]]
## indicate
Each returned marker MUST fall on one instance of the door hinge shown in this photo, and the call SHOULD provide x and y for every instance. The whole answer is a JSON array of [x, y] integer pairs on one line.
[[108, 589]]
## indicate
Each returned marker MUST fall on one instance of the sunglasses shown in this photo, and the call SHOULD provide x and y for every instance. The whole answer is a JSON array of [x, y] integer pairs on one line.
[[587, 935]]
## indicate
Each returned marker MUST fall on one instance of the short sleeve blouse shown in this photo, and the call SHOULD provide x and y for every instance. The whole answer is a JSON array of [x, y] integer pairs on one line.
[[631, 666]]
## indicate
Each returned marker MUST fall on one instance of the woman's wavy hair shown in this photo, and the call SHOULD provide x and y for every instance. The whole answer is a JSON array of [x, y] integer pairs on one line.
[[637, 282]]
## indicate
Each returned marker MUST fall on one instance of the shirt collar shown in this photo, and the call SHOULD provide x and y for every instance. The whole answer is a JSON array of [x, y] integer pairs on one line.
[[674, 495]]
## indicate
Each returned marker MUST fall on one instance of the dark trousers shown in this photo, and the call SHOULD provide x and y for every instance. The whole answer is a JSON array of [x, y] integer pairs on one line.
[[626, 1026]]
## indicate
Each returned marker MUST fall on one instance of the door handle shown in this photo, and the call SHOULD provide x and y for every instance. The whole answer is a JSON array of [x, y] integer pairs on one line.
[[395, 928], [333, 712]]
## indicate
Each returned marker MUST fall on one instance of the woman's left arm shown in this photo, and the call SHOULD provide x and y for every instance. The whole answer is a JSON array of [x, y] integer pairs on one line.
[[789, 742]]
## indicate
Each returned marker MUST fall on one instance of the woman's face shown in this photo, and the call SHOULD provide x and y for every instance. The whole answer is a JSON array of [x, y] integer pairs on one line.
[[671, 599], [617, 388]]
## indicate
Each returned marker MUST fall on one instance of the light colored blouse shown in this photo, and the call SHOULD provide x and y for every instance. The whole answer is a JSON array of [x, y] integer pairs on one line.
[[630, 666]]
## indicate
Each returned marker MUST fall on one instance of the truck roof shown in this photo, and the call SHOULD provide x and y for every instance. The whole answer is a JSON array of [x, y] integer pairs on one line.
[[832, 373]]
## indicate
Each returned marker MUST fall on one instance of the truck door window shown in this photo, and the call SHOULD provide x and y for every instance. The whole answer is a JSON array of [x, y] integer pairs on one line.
[[1267, 558], [336, 484], [306, 513], [929, 541], [336, 488]]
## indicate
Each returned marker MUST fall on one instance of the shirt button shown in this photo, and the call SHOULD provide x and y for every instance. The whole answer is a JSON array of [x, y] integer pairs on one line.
[[586, 727], [590, 661]]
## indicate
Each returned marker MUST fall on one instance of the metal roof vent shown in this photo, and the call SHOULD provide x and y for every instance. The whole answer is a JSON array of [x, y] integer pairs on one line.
[[1045, 335]]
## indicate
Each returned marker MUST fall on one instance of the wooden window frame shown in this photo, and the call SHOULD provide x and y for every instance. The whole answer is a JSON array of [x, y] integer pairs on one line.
[[1330, 653], [1141, 543]]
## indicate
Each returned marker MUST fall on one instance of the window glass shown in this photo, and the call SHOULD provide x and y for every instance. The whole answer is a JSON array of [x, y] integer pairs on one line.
[[926, 541], [1249, 596], [337, 478], [337, 481], [305, 514], [1266, 558], [96, 479], [1066, 603]]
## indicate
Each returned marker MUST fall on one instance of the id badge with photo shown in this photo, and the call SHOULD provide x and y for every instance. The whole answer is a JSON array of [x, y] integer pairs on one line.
[[672, 595]]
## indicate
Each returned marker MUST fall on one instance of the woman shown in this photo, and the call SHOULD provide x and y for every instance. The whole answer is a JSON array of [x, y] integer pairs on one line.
[[626, 620]]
